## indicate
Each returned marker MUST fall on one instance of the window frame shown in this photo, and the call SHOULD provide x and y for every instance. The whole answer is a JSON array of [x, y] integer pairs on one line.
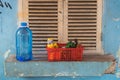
[[23, 16]]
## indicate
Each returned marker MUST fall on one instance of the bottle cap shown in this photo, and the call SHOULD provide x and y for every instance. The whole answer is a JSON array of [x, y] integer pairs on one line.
[[23, 24]]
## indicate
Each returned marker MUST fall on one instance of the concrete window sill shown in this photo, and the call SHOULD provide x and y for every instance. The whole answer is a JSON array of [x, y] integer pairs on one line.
[[91, 65]]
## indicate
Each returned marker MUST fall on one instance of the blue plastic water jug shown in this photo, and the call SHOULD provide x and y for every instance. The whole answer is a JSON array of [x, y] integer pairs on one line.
[[23, 43]]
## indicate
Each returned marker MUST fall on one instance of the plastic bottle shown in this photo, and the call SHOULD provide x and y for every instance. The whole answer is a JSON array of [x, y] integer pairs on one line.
[[23, 43]]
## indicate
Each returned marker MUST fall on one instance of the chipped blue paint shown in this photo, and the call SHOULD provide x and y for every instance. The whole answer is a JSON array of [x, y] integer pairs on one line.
[[44, 68], [111, 37]]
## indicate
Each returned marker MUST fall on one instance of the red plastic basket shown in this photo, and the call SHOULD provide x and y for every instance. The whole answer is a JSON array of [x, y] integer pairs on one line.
[[65, 54]]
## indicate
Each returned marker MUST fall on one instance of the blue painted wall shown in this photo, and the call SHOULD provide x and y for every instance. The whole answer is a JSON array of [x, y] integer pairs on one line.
[[111, 36], [111, 26]]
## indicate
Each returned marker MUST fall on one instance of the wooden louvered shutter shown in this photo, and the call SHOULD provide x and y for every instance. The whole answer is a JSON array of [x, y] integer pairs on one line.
[[84, 23], [63, 20], [43, 21]]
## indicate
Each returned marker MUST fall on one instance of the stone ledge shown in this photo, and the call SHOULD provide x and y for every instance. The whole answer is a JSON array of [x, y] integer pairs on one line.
[[91, 65]]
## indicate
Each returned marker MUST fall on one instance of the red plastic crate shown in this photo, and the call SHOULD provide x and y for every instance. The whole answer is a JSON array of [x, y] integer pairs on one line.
[[65, 54]]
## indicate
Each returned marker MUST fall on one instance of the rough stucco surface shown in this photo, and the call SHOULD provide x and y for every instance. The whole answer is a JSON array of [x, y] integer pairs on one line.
[[94, 65], [111, 37]]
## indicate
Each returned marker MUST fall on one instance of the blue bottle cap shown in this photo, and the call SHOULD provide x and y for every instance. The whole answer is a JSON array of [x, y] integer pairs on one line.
[[23, 24]]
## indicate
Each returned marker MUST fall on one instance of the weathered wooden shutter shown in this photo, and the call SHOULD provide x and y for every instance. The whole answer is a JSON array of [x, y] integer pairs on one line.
[[64, 20], [82, 23], [43, 21]]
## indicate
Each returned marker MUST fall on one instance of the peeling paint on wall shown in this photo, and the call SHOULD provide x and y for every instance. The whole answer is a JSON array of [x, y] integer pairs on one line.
[[22, 74], [116, 19], [74, 74], [61, 74], [6, 54], [37, 64]]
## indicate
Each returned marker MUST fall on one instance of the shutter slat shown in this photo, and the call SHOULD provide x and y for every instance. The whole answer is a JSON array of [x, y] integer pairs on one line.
[[83, 31], [83, 17], [43, 4], [47, 22], [43, 18], [39, 46], [78, 24], [42, 11], [82, 35], [42, 7], [44, 29], [82, 38], [80, 10], [36, 1], [40, 56], [83, 0], [83, 4], [92, 41], [89, 44], [82, 7], [46, 35], [39, 25], [42, 15], [39, 49], [47, 32], [41, 39], [83, 14], [90, 48]]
